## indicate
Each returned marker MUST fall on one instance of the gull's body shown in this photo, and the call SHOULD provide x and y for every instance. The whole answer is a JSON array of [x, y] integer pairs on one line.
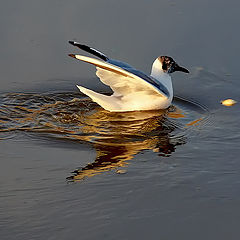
[[133, 90]]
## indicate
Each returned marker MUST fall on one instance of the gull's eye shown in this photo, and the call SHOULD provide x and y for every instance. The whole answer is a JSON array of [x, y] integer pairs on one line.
[[164, 66]]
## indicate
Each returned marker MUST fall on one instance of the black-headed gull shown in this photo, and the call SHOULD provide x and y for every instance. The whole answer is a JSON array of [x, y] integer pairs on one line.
[[133, 90]]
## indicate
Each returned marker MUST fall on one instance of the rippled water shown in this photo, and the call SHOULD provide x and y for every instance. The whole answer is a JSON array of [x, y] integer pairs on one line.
[[116, 137], [69, 163], [69, 169]]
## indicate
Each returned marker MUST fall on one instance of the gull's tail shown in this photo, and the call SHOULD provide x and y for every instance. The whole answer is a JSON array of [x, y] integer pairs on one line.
[[90, 50], [109, 103]]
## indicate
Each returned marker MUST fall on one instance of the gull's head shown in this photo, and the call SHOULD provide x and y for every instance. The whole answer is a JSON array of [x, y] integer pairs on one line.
[[168, 65]]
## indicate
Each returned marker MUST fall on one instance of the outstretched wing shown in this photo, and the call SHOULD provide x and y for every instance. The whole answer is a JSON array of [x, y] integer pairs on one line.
[[124, 81], [121, 85], [161, 89], [121, 77]]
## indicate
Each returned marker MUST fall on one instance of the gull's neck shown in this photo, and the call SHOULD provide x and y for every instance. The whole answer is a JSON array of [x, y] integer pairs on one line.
[[161, 76]]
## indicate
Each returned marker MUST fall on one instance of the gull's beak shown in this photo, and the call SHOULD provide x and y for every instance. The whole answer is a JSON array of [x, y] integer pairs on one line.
[[180, 69]]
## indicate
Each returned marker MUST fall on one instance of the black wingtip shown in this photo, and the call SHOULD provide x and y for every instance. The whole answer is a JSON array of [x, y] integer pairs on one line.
[[72, 42], [89, 50]]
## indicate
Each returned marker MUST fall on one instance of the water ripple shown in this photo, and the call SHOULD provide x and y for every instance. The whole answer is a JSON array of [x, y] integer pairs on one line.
[[117, 137]]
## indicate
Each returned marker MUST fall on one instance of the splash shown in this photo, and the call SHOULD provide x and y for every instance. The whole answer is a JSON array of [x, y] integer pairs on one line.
[[117, 137]]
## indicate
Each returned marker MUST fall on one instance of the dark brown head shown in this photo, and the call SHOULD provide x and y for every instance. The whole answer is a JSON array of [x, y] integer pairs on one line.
[[170, 66]]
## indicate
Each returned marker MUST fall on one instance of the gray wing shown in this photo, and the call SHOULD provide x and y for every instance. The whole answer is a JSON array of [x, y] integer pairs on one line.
[[140, 74], [159, 86]]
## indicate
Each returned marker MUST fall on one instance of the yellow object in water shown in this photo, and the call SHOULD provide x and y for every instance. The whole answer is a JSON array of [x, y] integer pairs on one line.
[[228, 102]]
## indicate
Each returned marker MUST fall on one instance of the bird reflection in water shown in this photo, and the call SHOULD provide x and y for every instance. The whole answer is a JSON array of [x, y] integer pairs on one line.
[[120, 136], [117, 137]]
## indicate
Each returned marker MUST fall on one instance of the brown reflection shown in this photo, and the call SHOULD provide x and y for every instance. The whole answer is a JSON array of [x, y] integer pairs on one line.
[[117, 137], [123, 135]]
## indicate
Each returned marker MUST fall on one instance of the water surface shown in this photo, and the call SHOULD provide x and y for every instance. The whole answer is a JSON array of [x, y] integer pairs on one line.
[[117, 137], [70, 169]]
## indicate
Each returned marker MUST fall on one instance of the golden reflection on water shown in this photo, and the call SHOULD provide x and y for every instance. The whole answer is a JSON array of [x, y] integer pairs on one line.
[[122, 135], [117, 137]]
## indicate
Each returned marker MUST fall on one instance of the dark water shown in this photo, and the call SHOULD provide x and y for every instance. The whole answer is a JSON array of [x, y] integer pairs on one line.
[[70, 169]]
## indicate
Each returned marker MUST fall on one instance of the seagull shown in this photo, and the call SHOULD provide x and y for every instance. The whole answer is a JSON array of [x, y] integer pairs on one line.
[[132, 89]]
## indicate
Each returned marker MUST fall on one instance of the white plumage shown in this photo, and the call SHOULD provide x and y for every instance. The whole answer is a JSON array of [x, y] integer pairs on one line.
[[132, 89]]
